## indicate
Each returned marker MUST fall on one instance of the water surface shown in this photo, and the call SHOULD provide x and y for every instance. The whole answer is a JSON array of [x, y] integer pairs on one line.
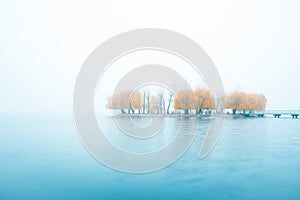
[[42, 158]]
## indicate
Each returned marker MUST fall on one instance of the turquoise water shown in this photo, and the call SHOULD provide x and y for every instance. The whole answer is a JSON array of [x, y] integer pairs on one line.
[[42, 158]]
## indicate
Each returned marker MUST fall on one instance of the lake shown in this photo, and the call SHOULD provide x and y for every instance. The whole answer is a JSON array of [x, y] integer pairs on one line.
[[43, 158]]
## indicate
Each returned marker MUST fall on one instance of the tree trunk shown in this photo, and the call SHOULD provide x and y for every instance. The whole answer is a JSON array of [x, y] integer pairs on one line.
[[162, 102], [186, 111], [148, 101], [144, 103], [168, 109], [199, 111], [130, 108], [234, 111]]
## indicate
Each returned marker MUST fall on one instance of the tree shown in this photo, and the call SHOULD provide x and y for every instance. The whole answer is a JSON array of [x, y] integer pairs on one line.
[[155, 105], [185, 99], [144, 102], [118, 101], [162, 103], [170, 100], [261, 102], [135, 101], [235, 101], [245, 101], [204, 100], [148, 102], [125, 100]]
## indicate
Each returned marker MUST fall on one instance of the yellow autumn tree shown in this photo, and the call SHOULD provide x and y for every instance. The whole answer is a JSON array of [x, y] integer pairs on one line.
[[125, 100], [204, 100], [136, 100], [235, 100], [261, 102], [118, 101], [245, 101], [185, 100]]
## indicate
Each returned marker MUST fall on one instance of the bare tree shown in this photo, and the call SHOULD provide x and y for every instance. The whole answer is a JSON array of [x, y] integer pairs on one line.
[[169, 104]]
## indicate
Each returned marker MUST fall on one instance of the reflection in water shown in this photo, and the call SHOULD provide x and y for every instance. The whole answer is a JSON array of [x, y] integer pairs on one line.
[[164, 137]]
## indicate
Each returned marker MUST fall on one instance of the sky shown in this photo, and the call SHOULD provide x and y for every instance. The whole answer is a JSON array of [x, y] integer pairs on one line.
[[255, 45]]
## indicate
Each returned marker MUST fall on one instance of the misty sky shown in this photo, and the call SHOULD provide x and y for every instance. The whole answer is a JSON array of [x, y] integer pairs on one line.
[[254, 44]]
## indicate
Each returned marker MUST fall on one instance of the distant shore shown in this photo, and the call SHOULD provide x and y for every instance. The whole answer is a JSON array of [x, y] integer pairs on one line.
[[212, 115]]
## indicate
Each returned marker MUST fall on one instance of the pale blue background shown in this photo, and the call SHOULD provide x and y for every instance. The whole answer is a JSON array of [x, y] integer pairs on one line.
[[255, 44]]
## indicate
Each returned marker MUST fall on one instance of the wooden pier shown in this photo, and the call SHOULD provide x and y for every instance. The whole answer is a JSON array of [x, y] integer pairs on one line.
[[278, 113]]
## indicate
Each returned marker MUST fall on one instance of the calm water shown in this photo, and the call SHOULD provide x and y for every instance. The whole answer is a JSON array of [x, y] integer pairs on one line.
[[42, 158]]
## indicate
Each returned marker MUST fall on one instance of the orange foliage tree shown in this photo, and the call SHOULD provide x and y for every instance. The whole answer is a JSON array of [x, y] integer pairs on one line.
[[125, 100], [245, 101], [185, 100], [204, 100]]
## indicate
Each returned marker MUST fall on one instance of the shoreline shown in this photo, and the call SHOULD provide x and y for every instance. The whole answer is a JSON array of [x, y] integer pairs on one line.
[[207, 116]]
